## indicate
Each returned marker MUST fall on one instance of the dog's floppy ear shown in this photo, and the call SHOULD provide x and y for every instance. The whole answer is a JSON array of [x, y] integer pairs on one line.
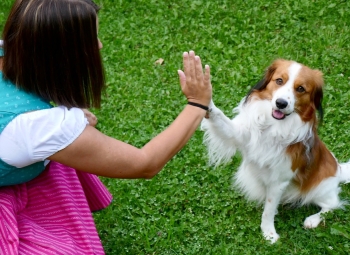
[[318, 93], [261, 85]]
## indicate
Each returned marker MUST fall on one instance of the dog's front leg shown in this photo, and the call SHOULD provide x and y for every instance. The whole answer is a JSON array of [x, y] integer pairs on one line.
[[274, 192], [218, 122], [220, 136]]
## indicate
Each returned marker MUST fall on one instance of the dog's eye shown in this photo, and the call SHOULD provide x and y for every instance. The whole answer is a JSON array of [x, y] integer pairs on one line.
[[279, 81], [300, 89]]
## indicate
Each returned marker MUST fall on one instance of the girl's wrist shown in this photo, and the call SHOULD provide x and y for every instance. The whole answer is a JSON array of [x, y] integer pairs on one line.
[[204, 107]]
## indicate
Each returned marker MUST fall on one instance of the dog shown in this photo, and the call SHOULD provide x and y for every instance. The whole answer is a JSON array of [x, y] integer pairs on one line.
[[283, 158]]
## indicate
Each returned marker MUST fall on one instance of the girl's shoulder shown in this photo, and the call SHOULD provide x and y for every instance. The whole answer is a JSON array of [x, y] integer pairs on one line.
[[37, 135]]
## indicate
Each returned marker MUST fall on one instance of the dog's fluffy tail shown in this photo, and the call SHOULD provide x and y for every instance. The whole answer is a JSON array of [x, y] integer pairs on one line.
[[344, 172]]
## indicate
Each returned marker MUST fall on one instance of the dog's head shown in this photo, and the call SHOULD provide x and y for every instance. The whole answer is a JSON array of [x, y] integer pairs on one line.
[[291, 87]]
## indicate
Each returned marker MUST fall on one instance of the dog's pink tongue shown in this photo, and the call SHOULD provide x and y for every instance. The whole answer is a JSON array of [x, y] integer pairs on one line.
[[278, 114]]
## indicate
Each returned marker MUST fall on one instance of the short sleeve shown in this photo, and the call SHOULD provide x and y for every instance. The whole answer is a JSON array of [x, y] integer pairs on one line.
[[35, 136]]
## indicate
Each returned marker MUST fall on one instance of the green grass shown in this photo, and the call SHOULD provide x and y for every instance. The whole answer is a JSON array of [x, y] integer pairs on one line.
[[191, 208]]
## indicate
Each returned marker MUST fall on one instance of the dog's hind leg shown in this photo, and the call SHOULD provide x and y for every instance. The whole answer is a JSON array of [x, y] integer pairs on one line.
[[344, 172], [315, 219], [328, 201]]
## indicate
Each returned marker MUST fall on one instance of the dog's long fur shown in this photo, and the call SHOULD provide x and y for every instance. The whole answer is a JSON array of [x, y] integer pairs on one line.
[[283, 159]]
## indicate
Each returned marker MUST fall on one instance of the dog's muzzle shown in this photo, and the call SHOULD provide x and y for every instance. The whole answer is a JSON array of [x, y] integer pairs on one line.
[[277, 113], [281, 103]]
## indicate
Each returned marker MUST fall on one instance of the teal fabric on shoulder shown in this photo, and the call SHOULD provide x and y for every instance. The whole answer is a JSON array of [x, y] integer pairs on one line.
[[14, 102]]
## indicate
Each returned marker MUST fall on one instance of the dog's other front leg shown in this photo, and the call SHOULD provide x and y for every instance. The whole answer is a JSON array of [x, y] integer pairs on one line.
[[274, 192]]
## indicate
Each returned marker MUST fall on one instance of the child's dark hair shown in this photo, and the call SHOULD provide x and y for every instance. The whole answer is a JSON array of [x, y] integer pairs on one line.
[[51, 49]]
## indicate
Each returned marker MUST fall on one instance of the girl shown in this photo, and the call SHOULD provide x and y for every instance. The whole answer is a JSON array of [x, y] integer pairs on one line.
[[50, 156]]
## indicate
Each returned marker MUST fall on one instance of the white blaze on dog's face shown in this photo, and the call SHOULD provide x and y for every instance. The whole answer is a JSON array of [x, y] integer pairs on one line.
[[283, 99]]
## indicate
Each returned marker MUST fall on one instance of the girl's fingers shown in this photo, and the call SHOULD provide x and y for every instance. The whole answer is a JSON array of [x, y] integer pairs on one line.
[[199, 70], [182, 78], [195, 82], [207, 76], [192, 71], [186, 63]]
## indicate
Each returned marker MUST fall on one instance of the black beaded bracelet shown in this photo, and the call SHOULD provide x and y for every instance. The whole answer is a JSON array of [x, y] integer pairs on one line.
[[199, 105]]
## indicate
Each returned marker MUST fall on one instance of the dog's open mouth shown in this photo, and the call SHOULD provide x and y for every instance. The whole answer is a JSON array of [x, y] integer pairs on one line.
[[278, 115]]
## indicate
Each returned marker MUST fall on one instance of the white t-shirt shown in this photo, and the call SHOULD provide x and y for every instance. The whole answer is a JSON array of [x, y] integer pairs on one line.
[[35, 136]]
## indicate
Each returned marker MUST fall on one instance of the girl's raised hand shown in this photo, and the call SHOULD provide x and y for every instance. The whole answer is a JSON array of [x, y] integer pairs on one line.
[[195, 84]]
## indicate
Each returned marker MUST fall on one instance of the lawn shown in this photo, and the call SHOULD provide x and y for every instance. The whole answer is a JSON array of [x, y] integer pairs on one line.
[[190, 207]]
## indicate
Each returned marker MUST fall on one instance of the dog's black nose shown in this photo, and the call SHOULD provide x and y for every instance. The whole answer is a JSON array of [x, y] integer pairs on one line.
[[281, 103]]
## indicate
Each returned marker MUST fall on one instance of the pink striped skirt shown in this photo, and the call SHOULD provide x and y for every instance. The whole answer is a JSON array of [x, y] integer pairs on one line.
[[52, 213]]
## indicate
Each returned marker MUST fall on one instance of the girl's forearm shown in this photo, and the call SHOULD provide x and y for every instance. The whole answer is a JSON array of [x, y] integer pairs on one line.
[[165, 145]]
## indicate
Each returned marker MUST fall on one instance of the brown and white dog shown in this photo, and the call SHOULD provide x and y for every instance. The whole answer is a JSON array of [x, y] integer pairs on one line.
[[283, 159]]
